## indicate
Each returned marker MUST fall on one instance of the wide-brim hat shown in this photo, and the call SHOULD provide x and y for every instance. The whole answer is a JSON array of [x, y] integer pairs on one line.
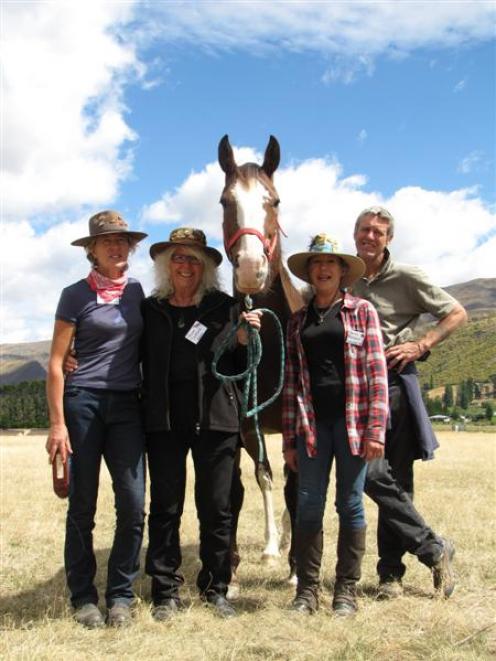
[[323, 244], [107, 222], [188, 237]]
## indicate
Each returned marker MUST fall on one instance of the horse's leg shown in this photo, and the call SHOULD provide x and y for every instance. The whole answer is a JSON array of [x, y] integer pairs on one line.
[[237, 497], [263, 474], [289, 519]]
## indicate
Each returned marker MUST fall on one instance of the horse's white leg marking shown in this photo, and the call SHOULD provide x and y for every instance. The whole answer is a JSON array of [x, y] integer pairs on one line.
[[285, 531], [271, 550], [285, 542]]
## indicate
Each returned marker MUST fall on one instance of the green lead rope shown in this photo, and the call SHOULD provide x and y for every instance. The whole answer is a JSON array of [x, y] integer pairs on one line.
[[254, 356]]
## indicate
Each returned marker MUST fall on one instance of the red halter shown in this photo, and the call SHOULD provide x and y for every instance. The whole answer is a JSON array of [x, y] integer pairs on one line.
[[268, 245]]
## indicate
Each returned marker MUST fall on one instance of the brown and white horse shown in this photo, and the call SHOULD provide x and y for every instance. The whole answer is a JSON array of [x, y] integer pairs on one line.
[[252, 241]]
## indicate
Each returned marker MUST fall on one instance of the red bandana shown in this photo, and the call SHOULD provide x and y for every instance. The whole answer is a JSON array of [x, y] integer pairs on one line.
[[107, 289]]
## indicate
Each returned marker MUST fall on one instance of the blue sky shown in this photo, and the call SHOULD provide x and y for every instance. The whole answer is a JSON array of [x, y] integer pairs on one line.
[[122, 105]]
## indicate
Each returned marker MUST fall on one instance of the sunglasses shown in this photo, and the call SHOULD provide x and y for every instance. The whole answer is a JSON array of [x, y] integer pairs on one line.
[[185, 259]]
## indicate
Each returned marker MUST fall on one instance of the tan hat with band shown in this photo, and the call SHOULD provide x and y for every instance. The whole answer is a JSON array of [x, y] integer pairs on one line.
[[107, 222], [189, 237], [323, 244]]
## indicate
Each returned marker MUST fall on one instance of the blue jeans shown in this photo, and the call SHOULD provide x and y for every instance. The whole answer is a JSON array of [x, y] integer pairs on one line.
[[313, 479], [104, 423]]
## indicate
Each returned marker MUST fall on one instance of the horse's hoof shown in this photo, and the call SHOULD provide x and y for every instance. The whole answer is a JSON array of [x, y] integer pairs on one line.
[[233, 592], [292, 579], [270, 559]]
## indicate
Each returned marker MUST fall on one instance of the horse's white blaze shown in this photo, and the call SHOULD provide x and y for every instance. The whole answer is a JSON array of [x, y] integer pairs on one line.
[[252, 266]]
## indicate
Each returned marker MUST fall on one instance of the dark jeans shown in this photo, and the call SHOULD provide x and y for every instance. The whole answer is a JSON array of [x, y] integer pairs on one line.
[[313, 479], [390, 484], [213, 457], [104, 423]]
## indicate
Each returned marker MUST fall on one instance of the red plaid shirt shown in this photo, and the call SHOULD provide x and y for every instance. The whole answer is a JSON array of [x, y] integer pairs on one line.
[[366, 385]]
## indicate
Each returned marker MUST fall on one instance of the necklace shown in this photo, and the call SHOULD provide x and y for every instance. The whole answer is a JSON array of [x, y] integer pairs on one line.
[[180, 321], [323, 312]]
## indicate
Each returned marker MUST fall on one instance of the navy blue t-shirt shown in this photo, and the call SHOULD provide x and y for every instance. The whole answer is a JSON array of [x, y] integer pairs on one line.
[[107, 340]]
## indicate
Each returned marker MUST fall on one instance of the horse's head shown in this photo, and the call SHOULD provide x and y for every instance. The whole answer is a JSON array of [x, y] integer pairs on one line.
[[251, 228]]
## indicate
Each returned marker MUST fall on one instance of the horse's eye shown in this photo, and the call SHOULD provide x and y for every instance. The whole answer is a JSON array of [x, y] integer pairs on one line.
[[275, 204]]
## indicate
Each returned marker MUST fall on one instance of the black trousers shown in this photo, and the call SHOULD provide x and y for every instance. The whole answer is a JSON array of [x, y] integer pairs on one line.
[[390, 484], [213, 457]]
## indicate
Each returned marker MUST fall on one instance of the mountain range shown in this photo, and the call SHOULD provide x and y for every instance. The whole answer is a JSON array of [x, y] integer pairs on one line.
[[471, 352]]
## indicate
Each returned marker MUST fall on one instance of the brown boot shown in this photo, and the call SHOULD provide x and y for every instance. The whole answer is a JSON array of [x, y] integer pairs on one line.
[[308, 554], [351, 549]]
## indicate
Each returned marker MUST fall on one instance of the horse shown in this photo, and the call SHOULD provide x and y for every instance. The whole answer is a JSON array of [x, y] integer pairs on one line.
[[252, 243]]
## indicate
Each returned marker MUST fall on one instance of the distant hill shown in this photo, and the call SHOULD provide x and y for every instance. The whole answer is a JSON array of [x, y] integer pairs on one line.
[[23, 362], [471, 352], [478, 296]]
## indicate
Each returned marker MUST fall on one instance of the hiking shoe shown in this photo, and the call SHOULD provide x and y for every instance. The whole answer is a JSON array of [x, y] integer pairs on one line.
[[442, 572], [119, 615], [223, 608], [344, 601], [89, 616], [304, 604], [166, 610], [390, 587]]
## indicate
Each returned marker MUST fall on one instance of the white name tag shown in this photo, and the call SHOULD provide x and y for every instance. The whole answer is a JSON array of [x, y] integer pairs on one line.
[[196, 332], [355, 337], [100, 301]]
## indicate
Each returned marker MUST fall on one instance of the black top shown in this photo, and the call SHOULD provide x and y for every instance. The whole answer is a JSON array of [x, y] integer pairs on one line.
[[217, 403], [323, 341], [183, 371]]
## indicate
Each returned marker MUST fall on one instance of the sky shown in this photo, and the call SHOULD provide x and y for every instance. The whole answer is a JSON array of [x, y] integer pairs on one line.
[[121, 105]]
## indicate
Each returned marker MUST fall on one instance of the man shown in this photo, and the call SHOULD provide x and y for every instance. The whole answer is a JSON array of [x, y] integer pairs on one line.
[[401, 293]]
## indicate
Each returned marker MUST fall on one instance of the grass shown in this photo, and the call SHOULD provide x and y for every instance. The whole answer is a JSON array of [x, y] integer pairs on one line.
[[456, 494]]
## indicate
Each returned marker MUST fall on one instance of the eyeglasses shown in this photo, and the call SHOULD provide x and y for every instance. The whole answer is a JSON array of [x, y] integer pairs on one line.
[[185, 259]]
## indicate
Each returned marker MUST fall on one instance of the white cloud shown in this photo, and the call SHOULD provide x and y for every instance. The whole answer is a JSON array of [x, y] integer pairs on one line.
[[362, 136], [460, 86], [471, 162], [346, 69], [64, 134], [35, 268], [437, 230], [444, 233], [359, 28]]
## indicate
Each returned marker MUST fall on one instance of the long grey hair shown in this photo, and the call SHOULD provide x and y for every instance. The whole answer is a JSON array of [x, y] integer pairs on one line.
[[163, 283]]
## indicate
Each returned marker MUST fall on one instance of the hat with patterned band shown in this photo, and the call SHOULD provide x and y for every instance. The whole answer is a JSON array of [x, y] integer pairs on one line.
[[107, 222], [190, 238], [323, 244]]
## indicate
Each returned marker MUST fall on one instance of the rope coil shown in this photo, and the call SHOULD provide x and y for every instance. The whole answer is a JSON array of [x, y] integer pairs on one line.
[[254, 356]]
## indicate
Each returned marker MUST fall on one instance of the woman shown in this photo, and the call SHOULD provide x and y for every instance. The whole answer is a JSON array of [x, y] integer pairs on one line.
[[187, 408], [96, 413], [334, 407]]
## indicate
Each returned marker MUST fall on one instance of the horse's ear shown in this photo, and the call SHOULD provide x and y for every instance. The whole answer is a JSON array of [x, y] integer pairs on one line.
[[272, 157], [226, 156]]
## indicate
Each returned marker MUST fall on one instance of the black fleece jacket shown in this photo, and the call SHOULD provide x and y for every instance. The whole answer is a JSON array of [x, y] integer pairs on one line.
[[219, 402]]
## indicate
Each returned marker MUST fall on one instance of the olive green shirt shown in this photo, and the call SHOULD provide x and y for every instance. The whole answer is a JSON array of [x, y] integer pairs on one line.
[[401, 293]]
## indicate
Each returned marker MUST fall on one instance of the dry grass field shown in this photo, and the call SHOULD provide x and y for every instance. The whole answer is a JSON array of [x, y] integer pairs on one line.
[[456, 494]]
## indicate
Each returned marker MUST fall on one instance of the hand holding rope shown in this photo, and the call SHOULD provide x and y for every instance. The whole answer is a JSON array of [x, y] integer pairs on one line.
[[254, 356]]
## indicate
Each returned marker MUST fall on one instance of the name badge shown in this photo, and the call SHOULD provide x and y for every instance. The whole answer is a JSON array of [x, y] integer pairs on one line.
[[196, 332], [355, 337], [100, 301]]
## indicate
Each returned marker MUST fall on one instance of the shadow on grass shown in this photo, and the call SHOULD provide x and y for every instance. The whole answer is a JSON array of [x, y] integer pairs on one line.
[[47, 600]]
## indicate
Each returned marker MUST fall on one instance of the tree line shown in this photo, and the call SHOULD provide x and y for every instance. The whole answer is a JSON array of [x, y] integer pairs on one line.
[[457, 400], [23, 405]]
